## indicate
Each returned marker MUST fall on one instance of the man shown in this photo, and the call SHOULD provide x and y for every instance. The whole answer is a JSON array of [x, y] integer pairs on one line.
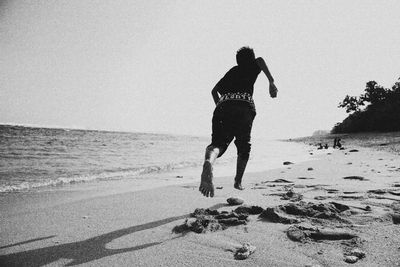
[[233, 116]]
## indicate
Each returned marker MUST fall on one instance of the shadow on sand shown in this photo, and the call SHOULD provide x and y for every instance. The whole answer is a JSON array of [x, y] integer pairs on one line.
[[83, 251]]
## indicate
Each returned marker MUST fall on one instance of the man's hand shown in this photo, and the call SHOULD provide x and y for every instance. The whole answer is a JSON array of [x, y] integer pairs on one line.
[[273, 90]]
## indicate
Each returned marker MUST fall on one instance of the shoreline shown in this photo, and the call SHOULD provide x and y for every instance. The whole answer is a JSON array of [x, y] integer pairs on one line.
[[224, 167], [95, 228]]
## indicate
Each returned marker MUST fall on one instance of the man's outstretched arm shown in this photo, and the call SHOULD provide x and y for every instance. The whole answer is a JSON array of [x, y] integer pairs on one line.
[[272, 88], [214, 93]]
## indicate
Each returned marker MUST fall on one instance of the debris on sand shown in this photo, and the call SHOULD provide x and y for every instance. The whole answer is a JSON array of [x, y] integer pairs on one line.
[[197, 226], [244, 251], [353, 150], [310, 169], [292, 196], [355, 178], [321, 211], [276, 216], [287, 163], [219, 187], [235, 201], [331, 235], [207, 220], [300, 233], [252, 210], [280, 213]]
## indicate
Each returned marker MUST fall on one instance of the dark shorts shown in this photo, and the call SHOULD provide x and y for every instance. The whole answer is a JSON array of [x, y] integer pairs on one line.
[[231, 120]]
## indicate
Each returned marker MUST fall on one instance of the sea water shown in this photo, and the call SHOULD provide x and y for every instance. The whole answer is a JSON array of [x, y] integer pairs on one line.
[[43, 157]]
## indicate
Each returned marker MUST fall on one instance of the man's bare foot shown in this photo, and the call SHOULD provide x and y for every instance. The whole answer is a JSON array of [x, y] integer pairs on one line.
[[238, 186], [206, 184]]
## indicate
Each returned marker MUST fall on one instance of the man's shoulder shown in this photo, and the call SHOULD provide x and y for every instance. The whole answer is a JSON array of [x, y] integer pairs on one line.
[[233, 69]]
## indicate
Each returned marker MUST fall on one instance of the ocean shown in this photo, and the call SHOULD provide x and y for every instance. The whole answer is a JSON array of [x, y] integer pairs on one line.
[[32, 158]]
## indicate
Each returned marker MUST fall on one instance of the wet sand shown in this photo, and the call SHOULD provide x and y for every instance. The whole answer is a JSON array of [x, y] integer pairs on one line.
[[336, 205]]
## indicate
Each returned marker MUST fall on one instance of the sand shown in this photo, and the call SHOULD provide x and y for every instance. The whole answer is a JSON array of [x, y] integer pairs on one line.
[[106, 224]]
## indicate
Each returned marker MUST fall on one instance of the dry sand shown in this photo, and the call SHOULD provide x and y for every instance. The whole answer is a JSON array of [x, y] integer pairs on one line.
[[95, 228]]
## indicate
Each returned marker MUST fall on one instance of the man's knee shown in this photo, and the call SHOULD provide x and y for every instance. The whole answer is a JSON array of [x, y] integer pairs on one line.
[[220, 150]]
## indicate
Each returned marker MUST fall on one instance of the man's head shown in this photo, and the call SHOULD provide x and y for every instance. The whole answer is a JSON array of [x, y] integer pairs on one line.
[[245, 56]]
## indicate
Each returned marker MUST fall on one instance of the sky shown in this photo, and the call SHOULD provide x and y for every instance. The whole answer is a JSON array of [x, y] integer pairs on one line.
[[149, 66]]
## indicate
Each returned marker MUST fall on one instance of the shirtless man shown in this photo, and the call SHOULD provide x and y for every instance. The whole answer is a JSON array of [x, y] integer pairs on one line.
[[233, 116]]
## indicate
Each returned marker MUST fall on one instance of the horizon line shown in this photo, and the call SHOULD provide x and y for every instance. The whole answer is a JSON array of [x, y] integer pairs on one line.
[[83, 128]]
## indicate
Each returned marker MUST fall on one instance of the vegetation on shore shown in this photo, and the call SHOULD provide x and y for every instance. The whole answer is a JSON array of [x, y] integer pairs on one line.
[[377, 110]]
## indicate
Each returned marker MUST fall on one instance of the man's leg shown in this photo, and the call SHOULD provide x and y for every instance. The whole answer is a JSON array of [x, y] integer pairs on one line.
[[242, 142], [240, 168], [206, 184]]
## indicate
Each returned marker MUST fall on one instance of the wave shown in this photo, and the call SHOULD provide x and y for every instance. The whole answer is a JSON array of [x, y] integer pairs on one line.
[[112, 174]]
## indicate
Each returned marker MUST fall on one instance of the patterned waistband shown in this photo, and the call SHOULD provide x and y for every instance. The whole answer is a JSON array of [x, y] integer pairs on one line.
[[236, 96]]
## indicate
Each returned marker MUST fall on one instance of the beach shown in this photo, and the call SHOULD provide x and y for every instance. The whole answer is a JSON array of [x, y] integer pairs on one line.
[[107, 224]]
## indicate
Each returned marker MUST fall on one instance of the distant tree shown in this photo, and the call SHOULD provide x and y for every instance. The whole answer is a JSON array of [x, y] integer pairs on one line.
[[374, 93], [350, 103]]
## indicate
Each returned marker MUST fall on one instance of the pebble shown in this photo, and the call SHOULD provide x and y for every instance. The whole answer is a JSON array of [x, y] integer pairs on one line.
[[310, 169], [287, 163], [244, 252], [350, 259], [235, 201]]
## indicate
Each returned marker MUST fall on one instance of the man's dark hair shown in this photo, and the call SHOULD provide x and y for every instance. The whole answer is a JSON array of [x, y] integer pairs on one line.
[[245, 56]]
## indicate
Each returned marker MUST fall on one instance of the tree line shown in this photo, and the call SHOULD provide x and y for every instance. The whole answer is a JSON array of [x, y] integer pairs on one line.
[[376, 110]]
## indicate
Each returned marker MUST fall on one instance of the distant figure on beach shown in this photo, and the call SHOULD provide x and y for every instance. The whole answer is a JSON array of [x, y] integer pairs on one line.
[[233, 116], [336, 143]]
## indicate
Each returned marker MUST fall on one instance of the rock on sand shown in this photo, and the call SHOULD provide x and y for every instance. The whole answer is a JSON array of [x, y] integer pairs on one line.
[[235, 201]]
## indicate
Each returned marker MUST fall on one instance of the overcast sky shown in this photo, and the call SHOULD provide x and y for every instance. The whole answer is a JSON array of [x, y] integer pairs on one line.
[[150, 65]]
